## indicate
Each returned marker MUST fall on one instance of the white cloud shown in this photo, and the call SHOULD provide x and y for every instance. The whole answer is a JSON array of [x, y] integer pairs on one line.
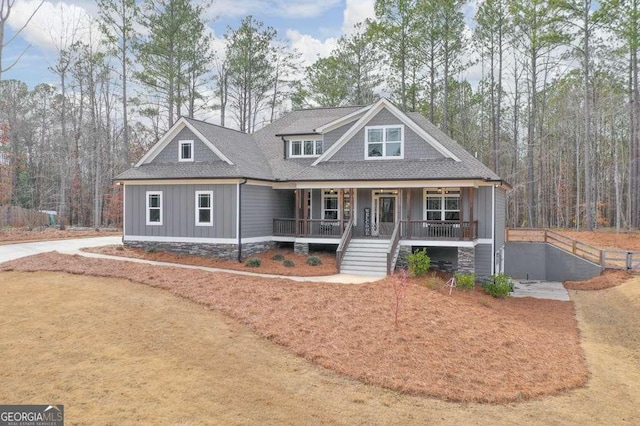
[[311, 48], [281, 8], [55, 25], [357, 11]]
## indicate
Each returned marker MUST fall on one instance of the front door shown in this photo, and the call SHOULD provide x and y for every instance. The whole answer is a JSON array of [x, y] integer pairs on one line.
[[384, 213]]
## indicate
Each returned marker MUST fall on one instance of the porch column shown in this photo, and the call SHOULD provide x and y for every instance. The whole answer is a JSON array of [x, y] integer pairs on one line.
[[341, 211], [297, 213], [463, 194], [471, 225], [305, 213], [409, 214]]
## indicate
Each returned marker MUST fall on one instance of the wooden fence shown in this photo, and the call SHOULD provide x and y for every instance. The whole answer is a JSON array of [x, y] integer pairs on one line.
[[614, 259], [19, 217]]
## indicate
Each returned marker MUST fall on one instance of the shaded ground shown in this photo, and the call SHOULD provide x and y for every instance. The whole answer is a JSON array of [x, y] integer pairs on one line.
[[607, 279], [606, 238], [268, 266], [114, 352], [465, 347], [15, 235]]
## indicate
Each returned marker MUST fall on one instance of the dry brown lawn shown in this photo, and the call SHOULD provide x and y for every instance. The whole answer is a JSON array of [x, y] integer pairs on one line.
[[268, 266], [606, 238], [24, 235], [114, 352], [465, 347]]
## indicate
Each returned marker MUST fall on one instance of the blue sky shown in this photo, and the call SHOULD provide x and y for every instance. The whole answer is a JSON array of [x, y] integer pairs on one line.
[[312, 26]]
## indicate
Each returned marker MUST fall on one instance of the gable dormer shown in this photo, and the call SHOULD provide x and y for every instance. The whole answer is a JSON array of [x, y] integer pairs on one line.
[[183, 143], [384, 132]]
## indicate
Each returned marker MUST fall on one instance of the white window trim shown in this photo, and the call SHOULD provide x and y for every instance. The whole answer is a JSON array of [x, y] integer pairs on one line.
[[198, 208], [148, 211], [180, 145], [442, 197], [383, 142], [302, 141], [336, 195]]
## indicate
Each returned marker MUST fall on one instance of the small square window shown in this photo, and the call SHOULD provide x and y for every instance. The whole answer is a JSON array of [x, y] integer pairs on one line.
[[186, 151]]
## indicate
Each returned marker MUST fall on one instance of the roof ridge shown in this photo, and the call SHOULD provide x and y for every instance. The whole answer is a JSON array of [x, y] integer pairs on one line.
[[329, 107], [215, 125]]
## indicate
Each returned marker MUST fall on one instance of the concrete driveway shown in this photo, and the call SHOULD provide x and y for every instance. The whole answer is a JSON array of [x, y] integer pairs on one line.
[[15, 251], [540, 290]]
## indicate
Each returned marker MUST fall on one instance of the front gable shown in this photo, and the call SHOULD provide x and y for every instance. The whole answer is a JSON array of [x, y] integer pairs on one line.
[[414, 147], [418, 144], [167, 149], [170, 153]]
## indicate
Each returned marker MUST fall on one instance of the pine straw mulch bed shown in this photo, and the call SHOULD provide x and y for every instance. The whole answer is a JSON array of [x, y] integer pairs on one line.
[[268, 266], [15, 235], [607, 279], [464, 347]]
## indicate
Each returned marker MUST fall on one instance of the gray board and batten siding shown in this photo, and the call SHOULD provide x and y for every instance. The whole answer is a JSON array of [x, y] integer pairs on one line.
[[260, 205], [483, 260], [178, 211], [500, 219], [201, 152], [415, 148]]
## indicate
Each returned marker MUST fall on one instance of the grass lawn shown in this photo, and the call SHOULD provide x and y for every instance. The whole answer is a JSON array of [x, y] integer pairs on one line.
[[23, 235], [114, 352]]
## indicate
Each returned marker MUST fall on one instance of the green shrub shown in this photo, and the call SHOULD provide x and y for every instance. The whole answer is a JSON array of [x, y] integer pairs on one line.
[[120, 248], [314, 261], [289, 263], [151, 248], [419, 262], [465, 281], [500, 286], [253, 262], [277, 257]]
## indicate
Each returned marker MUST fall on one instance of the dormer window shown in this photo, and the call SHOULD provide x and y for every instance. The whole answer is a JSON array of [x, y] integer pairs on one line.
[[305, 148], [384, 142], [185, 151]]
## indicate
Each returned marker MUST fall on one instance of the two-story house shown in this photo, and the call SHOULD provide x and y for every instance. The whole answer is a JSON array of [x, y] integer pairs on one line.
[[370, 181]]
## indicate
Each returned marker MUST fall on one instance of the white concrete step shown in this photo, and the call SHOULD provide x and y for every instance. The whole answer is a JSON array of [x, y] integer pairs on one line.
[[356, 269], [364, 257]]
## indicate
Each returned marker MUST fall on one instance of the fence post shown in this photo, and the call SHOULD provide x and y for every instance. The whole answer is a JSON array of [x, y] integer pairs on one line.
[[629, 261], [603, 256]]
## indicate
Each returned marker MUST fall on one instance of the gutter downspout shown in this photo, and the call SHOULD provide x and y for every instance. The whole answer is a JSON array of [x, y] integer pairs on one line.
[[493, 229], [239, 223], [284, 148]]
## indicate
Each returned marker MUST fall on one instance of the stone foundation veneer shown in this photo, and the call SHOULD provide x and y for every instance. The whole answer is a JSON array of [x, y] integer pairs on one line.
[[301, 248], [222, 251], [466, 260]]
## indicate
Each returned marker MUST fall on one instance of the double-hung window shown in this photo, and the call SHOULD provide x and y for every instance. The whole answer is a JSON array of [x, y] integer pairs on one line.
[[305, 148], [185, 151], [442, 204], [384, 142], [154, 208], [204, 208], [330, 208]]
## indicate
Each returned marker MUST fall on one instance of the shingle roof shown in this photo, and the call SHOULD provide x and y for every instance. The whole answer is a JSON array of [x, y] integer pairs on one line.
[[261, 156]]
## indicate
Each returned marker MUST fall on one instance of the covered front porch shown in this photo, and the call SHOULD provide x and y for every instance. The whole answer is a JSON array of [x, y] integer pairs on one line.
[[428, 213]]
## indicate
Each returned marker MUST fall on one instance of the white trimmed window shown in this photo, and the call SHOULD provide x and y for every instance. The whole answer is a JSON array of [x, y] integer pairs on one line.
[[330, 209], [154, 207], [384, 142], [204, 208], [442, 204], [305, 148], [185, 151]]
